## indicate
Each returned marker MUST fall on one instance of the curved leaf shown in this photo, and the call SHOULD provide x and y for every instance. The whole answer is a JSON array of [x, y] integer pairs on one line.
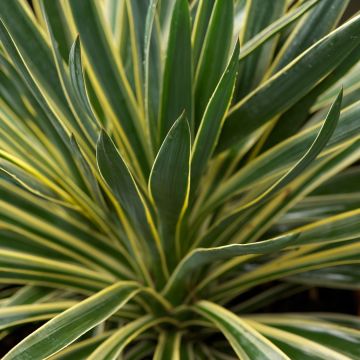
[[259, 15], [212, 121], [71, 324], [289, 85], [168, 346], [21, 314], [214, 54], [119, 179], [298, 346], [109, 74], [115, 344], [246, 341], [169, 182], [176, 93], [176, 289]]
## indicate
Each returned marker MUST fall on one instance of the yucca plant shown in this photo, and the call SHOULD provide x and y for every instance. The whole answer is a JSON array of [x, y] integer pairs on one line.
[[169, 169]]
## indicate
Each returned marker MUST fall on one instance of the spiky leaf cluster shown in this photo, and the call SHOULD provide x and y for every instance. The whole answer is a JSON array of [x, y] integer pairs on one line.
[[169, 169]]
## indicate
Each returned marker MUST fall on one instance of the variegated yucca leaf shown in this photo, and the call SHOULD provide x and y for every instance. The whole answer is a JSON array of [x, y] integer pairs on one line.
[[168, 169]]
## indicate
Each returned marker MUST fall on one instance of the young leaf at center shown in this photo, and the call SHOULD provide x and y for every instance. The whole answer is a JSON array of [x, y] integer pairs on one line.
[[169, 181]]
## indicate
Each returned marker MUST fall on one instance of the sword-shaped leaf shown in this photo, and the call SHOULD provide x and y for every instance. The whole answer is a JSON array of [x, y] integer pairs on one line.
[[65, 328], [289, 85], [246, 341], [176, 93], [169, 182]]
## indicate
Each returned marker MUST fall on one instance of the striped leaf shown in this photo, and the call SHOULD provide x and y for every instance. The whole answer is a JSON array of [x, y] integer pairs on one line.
[[177, 70], [289, 85], [114, 345], [169, 182], [212, 61], [247, 342], [84, 315]]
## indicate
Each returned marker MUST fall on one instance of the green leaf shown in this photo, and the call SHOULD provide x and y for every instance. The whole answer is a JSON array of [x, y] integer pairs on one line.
[[57, 18], [245, 340], [322, 19], [289, 85], [315, 208], [337, 277], [168, 346], [299, 189], [259, 15], [265, 215], [77, 80], [71, 324], [21, 314], [284, 266], [212, 121], [345, 182], [296, 346], [176, 93], [318, 145], [112, 348], [22, 261], [89, 178], [27, 107], [29, 295], [25, 32], [274, 28], [259, 221], [82, 349], [140, 350], [29, 182], [336, 337], [345, 226], [152, 73], [110, 75], [58, 131], [41, 222], [214, 54], [165, 12], [169, 182], [268, 297], [349, 321], [119, 179], [273, 162], [83, 125], [200, 27], [136, 12], [310, 29], [176, 287], [350, 81], [293, 119]]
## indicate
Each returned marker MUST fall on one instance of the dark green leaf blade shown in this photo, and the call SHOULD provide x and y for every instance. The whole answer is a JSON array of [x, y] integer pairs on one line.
[[119, 179], [289, 85], [114, 345], [176, 289], [168, 346], [111, 77], [319, 22], [169, 181], [214, 54], [201, 21], [71, 324], [260, 14], [245, 340], [317, 146], [211, 123], [176, 95], [78, 80]]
